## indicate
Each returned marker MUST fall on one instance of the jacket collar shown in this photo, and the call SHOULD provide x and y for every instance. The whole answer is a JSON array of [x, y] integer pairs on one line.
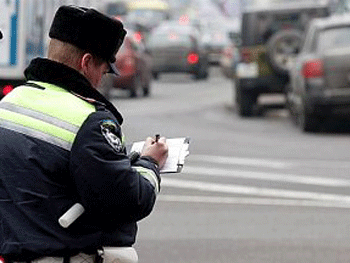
[[45, 70]]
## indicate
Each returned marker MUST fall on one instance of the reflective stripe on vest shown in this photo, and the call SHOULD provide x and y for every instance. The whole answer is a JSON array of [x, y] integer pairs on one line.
[[51, 114], [150, 176]]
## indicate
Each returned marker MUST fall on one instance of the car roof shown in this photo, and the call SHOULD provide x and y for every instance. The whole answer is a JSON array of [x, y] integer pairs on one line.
[[289, 5], [165, 27], [331, 21]]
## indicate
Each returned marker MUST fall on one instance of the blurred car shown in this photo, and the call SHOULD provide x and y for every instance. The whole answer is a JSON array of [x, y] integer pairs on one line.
[[271, 37], [215, 41], [134, 65], [148, 13], [177, 48], [320, 75]]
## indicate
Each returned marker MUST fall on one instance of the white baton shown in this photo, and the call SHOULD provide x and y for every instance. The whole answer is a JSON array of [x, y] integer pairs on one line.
[[71, 215]]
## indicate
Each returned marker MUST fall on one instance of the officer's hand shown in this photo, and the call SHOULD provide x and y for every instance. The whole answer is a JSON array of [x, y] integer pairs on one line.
[[157, 150]]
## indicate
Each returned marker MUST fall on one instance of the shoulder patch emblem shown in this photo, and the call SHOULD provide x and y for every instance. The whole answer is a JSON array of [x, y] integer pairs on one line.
[[108, 128]]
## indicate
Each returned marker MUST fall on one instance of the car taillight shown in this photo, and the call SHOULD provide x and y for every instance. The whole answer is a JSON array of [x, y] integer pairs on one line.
[[138, 37], [7, 89], [192, 58], [246, 55], [2, 260], [313, 69]]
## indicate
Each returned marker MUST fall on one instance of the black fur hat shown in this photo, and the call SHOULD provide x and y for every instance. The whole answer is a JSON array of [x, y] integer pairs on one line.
[[89, 30]]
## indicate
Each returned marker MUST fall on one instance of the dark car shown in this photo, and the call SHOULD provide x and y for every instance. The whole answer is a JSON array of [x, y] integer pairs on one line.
[[271, 36], [320, 76], [134, 65], [177, 48]]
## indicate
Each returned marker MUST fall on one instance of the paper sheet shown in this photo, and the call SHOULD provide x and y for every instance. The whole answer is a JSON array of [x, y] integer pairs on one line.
[[178, 150]]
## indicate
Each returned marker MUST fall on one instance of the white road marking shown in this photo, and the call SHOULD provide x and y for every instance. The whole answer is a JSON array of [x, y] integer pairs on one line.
[[288, 178], [269, 163], [249, 201], [241, 161], [255, 191]]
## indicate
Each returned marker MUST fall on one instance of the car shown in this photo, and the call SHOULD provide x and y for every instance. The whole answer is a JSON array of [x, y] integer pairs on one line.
[[271, 36], [148, 13], [215, 41], [320, 76], [134, 65], [176, 48], [342, 6]]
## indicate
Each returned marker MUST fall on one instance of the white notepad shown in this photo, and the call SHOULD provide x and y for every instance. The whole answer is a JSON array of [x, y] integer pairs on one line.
[[178, 151]]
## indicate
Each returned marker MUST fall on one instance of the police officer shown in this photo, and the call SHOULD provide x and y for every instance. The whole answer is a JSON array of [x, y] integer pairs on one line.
[[61, 144]]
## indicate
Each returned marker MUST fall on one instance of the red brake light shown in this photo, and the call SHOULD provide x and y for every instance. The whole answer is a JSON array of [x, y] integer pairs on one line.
[[2, 260], [184, 20], [313, 69], [192, 58], [138, 37], [7, 89]]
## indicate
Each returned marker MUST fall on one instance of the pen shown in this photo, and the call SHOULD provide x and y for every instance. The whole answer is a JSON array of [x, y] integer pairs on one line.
[[157, 138]]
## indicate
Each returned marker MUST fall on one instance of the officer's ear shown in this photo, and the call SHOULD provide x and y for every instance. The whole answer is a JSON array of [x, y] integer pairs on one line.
[[86, 63]]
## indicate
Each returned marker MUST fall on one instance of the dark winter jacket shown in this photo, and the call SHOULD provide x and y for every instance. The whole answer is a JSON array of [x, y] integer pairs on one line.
[[61, 144]]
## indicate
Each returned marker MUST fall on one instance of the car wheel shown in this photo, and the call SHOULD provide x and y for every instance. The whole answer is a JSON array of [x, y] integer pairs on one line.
[[146, 90], [202, 73], [137, 87], [245, 101], [307, 121], [282, 48], [290, 106], [155, 75], [198, 76]]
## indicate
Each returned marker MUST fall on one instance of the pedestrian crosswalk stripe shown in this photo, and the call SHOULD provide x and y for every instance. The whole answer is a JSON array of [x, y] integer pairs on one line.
[[250, 201], [254, 191], [288, 178], [270, 163], [241, 161]]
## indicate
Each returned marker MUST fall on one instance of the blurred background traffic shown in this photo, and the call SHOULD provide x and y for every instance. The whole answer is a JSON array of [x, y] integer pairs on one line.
[[252, 43], [179, 36]]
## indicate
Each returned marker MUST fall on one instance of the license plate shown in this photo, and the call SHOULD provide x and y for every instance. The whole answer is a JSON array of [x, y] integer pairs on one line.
[[247, 70]]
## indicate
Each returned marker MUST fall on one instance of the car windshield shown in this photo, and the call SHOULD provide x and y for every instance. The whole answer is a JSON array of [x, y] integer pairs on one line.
[[334, 38]]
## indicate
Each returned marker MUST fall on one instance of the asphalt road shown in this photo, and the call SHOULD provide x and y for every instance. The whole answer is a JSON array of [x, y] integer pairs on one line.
[[252, 190]]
